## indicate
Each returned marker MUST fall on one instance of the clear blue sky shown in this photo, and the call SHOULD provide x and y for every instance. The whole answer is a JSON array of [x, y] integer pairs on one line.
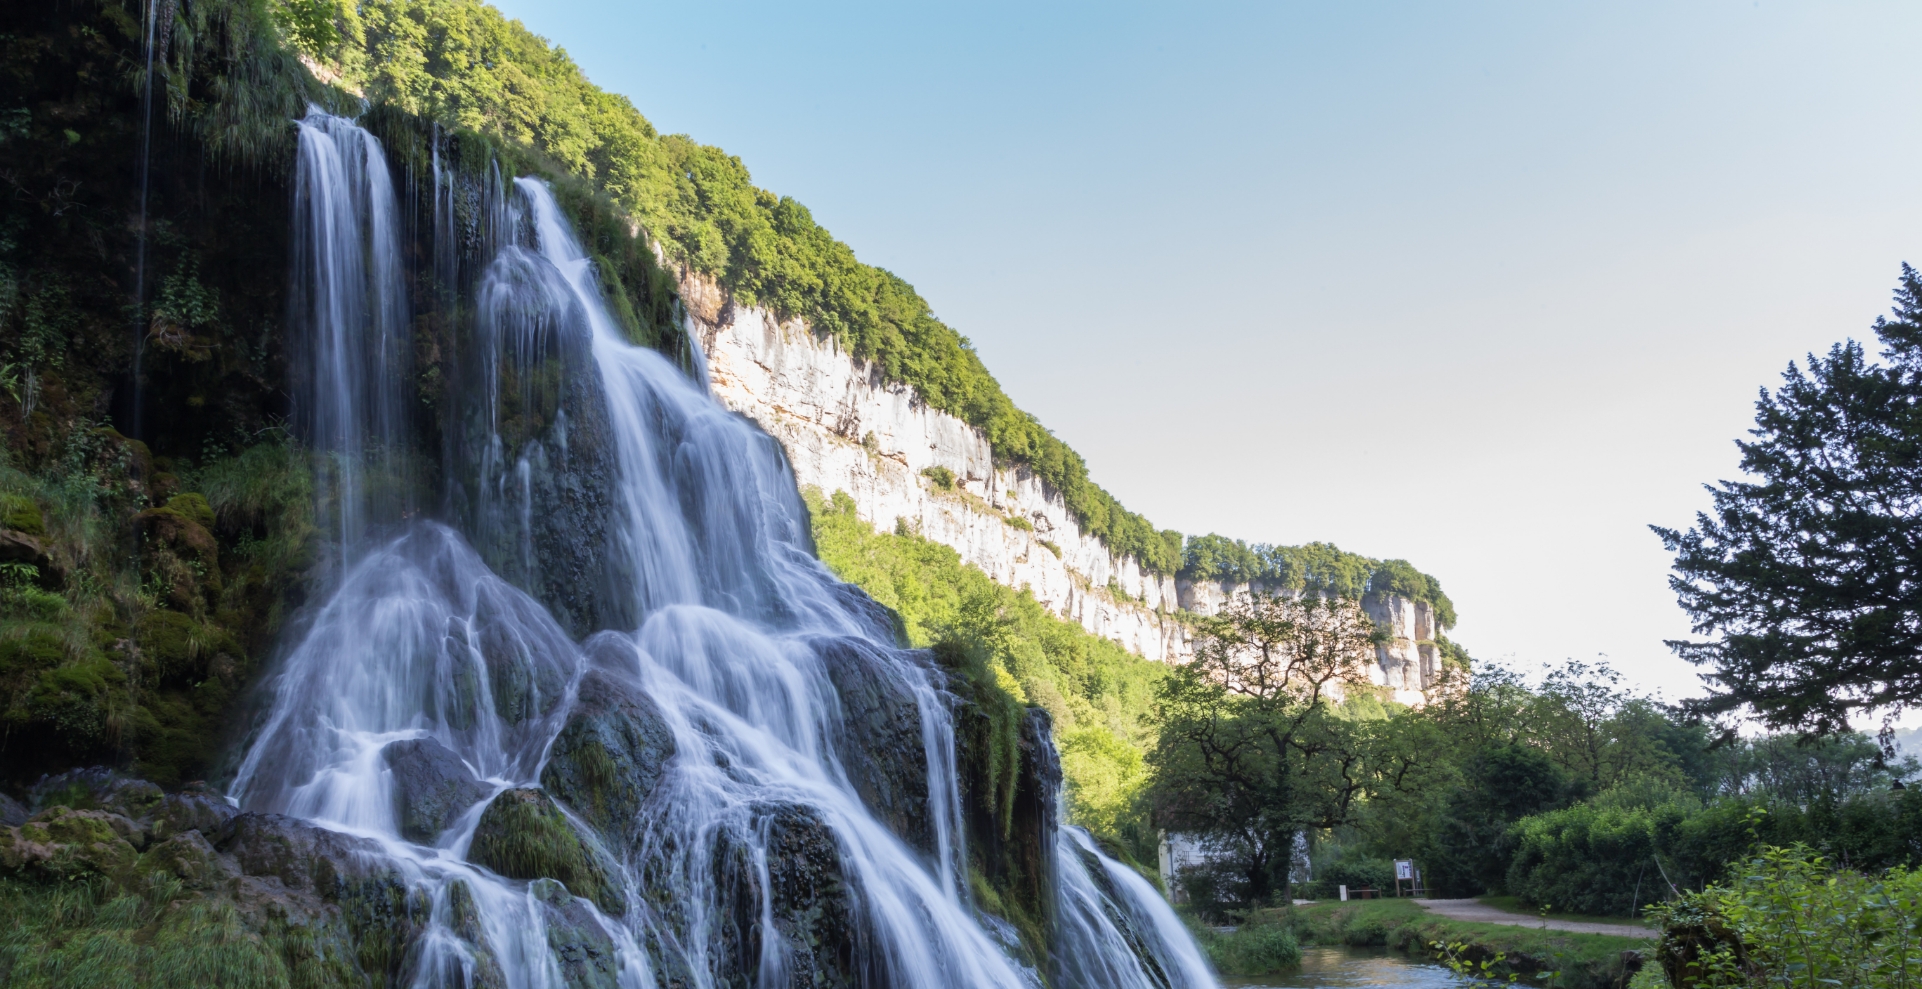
[[1486, 286]]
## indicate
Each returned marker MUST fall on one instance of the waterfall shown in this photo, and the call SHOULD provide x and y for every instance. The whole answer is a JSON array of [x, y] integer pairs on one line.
[[349, 309], [757, 785]]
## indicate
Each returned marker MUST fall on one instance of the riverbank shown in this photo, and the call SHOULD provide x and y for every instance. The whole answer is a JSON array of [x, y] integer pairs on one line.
[[1582, 960]]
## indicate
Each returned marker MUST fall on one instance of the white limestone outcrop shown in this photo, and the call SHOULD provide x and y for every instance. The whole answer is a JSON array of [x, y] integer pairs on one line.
[[846, 428]]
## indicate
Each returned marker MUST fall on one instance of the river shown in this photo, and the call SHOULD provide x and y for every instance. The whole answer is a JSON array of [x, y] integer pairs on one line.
[[1353, 968]]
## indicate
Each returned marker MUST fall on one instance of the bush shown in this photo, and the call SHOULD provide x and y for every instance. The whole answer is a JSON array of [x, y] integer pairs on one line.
[[942, 477], [1589, 859], [1260, 946], [1790, 921]]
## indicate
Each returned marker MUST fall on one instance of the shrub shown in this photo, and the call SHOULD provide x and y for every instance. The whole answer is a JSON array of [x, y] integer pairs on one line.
[[942, 477], [1020, 522], [1788, 920]]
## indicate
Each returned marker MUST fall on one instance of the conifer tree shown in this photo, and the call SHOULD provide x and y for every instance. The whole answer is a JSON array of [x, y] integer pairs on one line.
[[1806, 578]]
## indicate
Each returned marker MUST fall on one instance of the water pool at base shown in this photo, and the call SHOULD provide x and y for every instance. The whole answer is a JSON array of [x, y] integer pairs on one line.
[[1352, 968]]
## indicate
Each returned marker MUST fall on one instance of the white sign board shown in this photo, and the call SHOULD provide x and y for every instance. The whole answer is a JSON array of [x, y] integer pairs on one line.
[[1404, 869]]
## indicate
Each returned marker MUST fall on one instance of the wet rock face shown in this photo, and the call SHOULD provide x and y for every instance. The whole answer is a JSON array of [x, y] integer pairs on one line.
[[810, 900], [299, 854], [582, 949], [523, 835], [432, 787], [1037, 800], [534, 462], [349, 877], [609, 755], [879, 739]]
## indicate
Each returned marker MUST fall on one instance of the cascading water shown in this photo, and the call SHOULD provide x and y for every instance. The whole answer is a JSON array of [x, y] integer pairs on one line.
[[762, 788], [350, 308]]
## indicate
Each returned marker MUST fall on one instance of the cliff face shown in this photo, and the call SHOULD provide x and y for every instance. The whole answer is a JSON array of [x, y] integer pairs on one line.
[[845, 428]]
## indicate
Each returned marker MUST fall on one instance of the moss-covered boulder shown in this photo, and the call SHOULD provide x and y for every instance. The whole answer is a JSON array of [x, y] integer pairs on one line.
[[523, 835], [351, 875], [21, 514], [195, 808], [97, 788], [609, 755], [195, 507], [62, 843], [190, 858], [432, 787]]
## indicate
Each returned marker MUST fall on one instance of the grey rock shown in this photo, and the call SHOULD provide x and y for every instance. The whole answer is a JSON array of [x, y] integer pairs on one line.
[[190, 810], [96, 788], [580, 945], [432, 787], [12, 812]]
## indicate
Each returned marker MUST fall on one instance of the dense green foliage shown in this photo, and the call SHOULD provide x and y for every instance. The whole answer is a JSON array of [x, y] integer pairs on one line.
[[1787, 919], [1809, 576], [462, 62], [1578, 794], [1316, 568], [1097, 693]]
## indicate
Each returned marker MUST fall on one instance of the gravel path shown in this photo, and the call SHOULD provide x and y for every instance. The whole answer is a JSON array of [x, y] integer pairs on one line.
[[1482, 913]]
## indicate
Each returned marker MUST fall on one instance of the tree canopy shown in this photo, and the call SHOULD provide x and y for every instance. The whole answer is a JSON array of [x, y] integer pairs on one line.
[[1806, 578]]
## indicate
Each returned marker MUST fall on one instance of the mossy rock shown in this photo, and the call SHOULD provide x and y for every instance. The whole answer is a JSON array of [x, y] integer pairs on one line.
[[98, 788], [195, 507], [609, 755], [61, 843], [524, 835], [21, 514], [177, 647]]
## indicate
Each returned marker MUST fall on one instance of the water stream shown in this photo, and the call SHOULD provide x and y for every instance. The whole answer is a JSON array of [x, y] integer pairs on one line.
[[811, 786]]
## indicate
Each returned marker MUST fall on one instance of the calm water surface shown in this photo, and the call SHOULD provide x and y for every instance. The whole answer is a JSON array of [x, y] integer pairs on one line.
[[1353, 968]]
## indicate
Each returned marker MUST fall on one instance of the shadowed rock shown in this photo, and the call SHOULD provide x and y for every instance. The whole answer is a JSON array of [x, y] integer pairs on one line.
[[879, 738], [432, 787]]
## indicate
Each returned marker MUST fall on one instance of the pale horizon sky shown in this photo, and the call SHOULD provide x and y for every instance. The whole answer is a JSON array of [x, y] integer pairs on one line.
[[1489, 287]]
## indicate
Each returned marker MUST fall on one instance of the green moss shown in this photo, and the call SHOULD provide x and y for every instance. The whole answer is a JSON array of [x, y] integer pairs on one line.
[[195, 507], [21, 514], [155, 934], [523, 835]]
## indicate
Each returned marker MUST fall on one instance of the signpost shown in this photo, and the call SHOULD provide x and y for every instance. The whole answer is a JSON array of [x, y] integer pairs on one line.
[[1405, 871]]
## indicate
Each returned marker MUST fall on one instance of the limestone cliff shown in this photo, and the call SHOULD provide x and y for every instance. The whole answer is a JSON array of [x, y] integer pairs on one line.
[[847, 428]]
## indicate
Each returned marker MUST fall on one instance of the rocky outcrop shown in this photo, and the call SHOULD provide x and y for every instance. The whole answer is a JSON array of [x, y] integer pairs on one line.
[[1407, 664], [846, 428]]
